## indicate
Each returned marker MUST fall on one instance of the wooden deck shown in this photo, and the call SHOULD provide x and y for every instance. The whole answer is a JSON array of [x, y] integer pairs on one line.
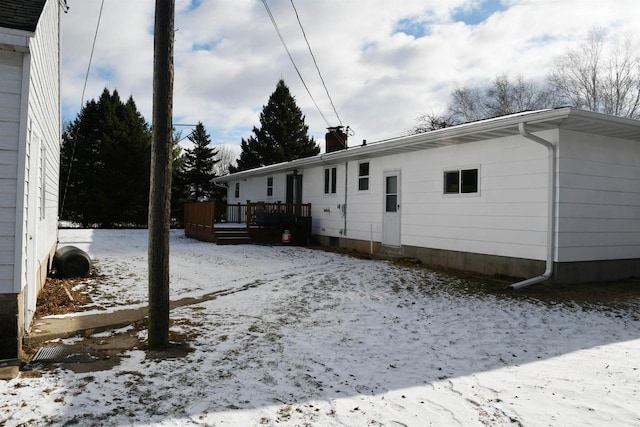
[[246, 223]]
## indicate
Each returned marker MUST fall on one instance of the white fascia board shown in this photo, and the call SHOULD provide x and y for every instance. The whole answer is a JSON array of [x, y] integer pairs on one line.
[[435, 138], [483, 129], [15, 40]]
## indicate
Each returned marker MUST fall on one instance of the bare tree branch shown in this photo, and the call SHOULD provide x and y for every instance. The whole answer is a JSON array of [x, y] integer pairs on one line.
[[595, 78]]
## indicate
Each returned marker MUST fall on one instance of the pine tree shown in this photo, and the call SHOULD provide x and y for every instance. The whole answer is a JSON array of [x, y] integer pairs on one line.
[[105, 159], [282, 135], [197, 170], [179, 194]]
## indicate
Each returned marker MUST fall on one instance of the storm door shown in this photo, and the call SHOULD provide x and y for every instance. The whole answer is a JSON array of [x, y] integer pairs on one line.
[[294, 190], [391, 209]]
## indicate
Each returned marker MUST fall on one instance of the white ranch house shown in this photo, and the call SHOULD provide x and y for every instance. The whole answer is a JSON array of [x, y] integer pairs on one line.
[[30, 129], [551, 195]]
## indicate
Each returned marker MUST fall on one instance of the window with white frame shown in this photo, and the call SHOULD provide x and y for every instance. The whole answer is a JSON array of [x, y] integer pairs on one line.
[[461, 181], [330, 178], [237, 190], [269, 186], [363, 176]]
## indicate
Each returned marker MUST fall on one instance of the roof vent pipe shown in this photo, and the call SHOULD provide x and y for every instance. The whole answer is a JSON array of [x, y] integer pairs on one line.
[[551, 207]]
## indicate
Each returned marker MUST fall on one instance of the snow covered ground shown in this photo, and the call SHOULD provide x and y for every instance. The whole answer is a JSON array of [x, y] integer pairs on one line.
[[306, 337]]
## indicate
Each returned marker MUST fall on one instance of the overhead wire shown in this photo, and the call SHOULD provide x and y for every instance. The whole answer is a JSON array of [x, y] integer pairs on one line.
[[304, 34], [275, 25], [84, 88]]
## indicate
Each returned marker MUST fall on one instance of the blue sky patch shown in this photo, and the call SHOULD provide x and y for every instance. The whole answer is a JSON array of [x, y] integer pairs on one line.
[[202, 46], [193, 5], [478, 14], [105, 73], [411, 27]]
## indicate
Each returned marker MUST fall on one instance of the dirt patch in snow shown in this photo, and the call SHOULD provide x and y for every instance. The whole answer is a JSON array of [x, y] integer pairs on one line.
[[61, 296]]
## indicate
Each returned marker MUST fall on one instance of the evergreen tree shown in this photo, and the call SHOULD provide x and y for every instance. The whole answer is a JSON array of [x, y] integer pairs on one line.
[[179, 194], [282, 135], [197, 170], [105, 159]]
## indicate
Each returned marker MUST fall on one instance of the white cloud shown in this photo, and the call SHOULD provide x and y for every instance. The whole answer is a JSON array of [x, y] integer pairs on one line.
[[228, 58]]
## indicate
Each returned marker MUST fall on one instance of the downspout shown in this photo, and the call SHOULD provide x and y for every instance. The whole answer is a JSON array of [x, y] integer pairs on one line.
[[344, 206], [551, 205]]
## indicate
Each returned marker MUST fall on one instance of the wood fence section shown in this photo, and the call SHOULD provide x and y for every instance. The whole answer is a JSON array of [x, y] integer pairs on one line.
[[199, 218]]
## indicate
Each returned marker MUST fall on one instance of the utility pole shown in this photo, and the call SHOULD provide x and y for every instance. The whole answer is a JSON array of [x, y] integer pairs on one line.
[[160, 189]]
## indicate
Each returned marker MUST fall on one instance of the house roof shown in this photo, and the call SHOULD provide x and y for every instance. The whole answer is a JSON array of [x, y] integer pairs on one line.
[[567, 118], [21, 14]]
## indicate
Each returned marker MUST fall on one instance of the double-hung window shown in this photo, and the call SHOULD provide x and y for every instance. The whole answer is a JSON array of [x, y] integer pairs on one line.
[[237, 192], [270, 186], [363, 176], [461, 181], [330, 178]]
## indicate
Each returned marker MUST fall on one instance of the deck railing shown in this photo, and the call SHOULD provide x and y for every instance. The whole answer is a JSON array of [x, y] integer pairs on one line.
[[233, 213], [201, 217], [295, 209]]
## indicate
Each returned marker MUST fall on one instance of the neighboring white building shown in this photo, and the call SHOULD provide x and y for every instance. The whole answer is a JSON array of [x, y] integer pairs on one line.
[[545, 194], [30, 129]]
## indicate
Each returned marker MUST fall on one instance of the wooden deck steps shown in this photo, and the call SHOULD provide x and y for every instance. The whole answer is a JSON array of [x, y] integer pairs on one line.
[[232, 236]]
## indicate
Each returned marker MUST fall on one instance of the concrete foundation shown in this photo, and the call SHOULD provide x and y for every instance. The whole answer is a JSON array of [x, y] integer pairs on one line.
[[12, 331], [493, 265], [12, 312], [596, 271]]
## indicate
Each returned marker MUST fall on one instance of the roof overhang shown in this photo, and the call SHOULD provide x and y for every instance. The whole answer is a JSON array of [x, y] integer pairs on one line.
[[14, 40], [567, 118]]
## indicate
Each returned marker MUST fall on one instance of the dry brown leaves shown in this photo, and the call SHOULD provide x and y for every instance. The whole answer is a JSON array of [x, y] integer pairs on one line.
[[61, 296]]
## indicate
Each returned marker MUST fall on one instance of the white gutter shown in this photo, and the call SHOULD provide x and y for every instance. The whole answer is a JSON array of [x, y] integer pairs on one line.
[[551, 203]]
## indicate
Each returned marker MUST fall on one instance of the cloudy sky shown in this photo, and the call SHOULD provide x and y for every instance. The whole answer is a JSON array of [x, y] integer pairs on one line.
[[384, 62]]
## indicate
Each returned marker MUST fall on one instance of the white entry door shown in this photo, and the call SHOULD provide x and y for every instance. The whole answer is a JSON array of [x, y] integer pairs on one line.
[[391, 209]]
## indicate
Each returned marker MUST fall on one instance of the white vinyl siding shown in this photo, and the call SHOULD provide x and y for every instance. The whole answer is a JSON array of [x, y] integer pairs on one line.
[[44, 102], [508, 218], [255, 189], [599, 193], [29, 158], [326, 210], [10, 102], [597, 215]]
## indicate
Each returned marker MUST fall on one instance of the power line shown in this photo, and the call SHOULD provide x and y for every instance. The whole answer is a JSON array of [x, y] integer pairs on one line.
[[315, 62], [84, 88], [273, 21], [93, 47]]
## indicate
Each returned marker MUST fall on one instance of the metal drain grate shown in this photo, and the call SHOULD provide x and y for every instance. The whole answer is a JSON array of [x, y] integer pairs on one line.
[[51, 353]]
